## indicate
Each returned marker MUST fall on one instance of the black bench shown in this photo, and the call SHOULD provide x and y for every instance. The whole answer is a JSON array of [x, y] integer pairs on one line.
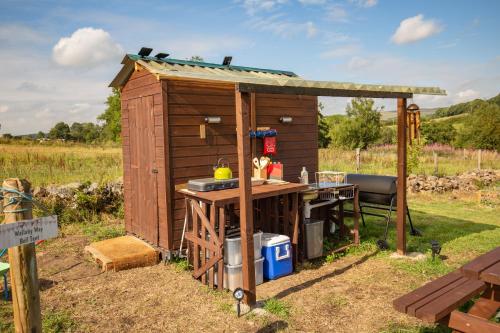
[[379, 193]]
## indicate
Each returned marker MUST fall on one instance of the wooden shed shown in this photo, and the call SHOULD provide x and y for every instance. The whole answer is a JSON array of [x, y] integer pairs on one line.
[[166, 141]]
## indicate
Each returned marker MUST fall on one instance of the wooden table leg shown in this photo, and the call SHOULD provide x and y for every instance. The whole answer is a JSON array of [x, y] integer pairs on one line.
[[213, 220], [196, 250], [204, 237], [286, 214], [222, 232], [295, 222], [356, 215]]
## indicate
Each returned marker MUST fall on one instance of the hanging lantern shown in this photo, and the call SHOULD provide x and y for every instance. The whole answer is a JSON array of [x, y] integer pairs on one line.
[[413, 122]]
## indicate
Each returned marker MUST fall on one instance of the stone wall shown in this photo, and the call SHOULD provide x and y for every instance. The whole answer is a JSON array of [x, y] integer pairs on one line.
[[469, 182]]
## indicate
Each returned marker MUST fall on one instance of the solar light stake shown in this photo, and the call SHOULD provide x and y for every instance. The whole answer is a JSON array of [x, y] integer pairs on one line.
[[436, 248], [238, 294]]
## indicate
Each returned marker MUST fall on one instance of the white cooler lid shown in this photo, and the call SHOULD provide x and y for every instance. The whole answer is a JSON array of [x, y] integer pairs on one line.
[[273, 239]]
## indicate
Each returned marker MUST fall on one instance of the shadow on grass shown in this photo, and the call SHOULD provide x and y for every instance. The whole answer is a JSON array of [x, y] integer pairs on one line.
[[310, 283], [275, 326], [433, 227]]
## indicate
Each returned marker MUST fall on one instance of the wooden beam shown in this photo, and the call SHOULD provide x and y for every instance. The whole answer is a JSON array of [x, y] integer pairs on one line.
[[253, 122], [269, 89], [245, 187], [401, 196], [467, 323]]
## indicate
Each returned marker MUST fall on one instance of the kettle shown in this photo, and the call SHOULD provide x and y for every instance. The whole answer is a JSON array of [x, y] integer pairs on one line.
[[221, 171]]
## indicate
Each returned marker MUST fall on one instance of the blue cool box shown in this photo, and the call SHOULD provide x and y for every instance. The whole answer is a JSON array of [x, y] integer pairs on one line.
[[277, 253]]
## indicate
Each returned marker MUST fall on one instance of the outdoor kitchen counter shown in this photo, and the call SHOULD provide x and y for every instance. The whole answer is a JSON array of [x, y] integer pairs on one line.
[[276, 210], [232, 196]]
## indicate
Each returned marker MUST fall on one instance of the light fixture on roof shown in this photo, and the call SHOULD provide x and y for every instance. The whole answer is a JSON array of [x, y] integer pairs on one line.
[[161, 55], [227, 61], [145, 51]]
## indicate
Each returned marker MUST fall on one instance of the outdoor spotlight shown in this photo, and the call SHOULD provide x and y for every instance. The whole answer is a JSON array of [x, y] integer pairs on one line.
[[413, 107], [286, 119], [238, 294], [227, 61], [145, 51], [213, 120], [436, 248], [161, 55]]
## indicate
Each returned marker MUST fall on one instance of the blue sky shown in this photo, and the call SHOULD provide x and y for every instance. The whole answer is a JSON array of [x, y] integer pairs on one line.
[[59, 56]]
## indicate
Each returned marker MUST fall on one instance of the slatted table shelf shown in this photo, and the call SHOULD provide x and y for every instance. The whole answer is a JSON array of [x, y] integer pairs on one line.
[[277, 209], [438, 301]]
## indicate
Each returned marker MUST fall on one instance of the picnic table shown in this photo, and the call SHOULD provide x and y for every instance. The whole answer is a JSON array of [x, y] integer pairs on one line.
[[438, 301]]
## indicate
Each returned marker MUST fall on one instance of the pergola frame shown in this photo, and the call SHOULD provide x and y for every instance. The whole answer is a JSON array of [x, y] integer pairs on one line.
[[244, 104]]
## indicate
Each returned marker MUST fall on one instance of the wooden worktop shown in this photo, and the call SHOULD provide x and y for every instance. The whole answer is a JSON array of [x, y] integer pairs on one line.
[[230, 196]]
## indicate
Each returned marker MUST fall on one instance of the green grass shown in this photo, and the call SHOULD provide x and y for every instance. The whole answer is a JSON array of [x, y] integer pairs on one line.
[[383, 160], [43, 165], [58, 322], [277, 307]]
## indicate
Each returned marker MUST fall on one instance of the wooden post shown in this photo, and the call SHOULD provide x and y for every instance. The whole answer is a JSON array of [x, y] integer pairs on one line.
[[479, 159], [435, 163], [22, 260], [401, 196], [253, 122], [246, 210], [358, 160]]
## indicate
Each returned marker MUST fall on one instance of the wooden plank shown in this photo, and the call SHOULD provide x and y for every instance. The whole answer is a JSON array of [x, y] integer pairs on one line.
[[269, 89], [245, 191], [191, 99], [213, 221], [412, 309], [491, 274], [196, 254], [484, 308], [222, 234], [204, 250], [401, 184], [294, 214], [402, 303], [474, 268], [467, 323], [441, 307]]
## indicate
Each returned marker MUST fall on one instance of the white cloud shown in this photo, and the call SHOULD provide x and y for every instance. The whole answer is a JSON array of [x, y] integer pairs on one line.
[[254, 6], [414, 29], [311, 29], [365, 3], [278, 25], [358, 63], [467, 94], [79, 108], [341, 51], [4, 108], [44, 113], [86, 47], [16, 34], [337, 13], [312, 2]]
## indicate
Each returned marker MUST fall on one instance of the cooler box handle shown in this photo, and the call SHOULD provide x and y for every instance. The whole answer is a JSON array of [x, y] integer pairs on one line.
[[286, 255]]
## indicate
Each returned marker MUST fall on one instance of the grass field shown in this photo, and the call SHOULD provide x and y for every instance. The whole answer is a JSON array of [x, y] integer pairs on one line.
[[63, 164], [43, 165]]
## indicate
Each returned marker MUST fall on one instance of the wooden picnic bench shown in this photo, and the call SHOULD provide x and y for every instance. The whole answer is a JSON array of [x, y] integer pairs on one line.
[[438, 301]]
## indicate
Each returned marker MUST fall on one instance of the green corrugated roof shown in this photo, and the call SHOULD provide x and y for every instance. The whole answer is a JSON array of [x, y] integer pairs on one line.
[[255, 79], [167, 60]]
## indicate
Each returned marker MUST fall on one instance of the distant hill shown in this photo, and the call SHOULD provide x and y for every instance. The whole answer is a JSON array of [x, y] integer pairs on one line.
[[391, 115]]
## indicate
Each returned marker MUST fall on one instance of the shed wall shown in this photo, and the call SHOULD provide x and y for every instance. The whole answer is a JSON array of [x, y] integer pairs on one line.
[[192, 157]]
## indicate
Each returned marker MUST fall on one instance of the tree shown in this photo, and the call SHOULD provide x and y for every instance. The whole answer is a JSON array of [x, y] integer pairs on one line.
[[196, 58], [112, 117], [481, 130], [439, 132], [40, 135], [323, 129], [85, 132], [361, 127], [60, 131]]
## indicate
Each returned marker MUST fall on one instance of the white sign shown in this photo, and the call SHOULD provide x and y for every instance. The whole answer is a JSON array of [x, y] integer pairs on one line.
[[27, 231]]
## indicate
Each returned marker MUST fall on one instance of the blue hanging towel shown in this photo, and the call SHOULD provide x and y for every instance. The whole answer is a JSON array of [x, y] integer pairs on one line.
[[263, 134]]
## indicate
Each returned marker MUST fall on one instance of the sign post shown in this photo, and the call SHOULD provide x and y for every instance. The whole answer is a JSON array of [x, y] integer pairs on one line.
[[18, 234]]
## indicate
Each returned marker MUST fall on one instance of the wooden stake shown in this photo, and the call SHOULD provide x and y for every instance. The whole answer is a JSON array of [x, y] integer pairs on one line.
[[22, 260], [358, 159], [246, 209], [435, 163], [401, 196], [479, 159]]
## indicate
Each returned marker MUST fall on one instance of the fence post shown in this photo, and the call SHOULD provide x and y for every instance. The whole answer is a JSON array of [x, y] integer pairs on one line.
[[435, 163], [479, 159], [358, 159], [22, 260]]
